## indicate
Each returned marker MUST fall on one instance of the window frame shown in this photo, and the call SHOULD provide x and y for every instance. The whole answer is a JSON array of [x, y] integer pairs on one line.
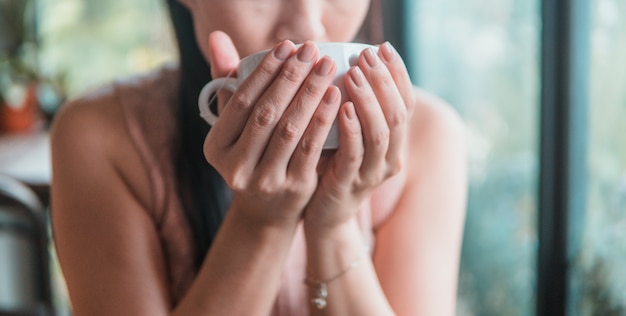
[[563, 149]]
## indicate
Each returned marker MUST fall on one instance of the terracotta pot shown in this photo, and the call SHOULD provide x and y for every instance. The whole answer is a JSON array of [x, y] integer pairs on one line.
[[23, 115]]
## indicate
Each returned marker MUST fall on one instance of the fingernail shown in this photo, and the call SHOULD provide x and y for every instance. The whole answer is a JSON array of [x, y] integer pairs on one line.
[[332, 95], [388, 52], [350, 113], [325, 66], [306, 52], [371, 58], [283, 50], [356, 76]]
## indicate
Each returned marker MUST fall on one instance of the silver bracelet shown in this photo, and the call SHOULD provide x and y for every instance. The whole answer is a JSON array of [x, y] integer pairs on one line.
[[321, 291]]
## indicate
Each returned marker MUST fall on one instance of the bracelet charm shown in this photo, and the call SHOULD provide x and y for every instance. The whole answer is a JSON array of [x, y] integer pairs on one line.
[[319, 298], [320, 292]]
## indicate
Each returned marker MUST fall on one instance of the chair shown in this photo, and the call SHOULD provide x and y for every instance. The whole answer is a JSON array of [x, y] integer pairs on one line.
[[24, 274]]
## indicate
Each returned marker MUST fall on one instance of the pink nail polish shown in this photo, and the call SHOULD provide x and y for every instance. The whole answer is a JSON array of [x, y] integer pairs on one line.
[[356, 76], [283, 50], [388, 52]]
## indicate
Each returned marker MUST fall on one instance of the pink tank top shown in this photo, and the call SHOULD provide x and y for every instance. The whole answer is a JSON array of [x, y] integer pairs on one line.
[[149, 105]]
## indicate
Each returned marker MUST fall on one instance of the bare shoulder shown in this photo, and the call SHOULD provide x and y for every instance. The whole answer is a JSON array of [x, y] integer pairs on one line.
[[434, 117], [100, 196], [90, 142], [436, 133], [90, 122], [437, 138]]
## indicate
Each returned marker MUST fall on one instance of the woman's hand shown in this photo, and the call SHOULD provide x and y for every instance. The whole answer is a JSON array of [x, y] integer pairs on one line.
[[372, 135], [268, 139]]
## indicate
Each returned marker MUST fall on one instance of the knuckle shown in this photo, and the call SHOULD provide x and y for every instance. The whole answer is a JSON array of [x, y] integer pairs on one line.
[[291, 75], [394, 167], [380, 138], [372, 179], [265, 116], [354, 132], [323, 119], [294, 188], [312, 90], [297, 105], [353, 158], [288, 130], [398, 118], [235, 185], [212, 160], [309, 147], [236, 180], [268, 185], [261, 185], [301, 183], [266, 69], [239, 102]]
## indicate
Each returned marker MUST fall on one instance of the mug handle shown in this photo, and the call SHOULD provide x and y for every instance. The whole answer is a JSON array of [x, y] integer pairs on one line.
[[228, 83]]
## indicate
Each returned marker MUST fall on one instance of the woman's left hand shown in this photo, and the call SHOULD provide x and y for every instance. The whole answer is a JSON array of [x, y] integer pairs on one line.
[[372, 135]]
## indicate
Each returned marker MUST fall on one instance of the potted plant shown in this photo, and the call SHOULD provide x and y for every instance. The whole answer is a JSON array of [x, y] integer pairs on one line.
[[19, 109]]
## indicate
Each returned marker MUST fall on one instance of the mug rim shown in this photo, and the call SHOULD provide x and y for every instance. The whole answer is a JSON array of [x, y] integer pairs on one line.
[[318, 44]]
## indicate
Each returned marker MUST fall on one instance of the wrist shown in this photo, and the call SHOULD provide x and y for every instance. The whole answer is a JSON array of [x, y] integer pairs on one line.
[[334, 247], [325, 220], [253, 218], [318, 234], [250, 223]]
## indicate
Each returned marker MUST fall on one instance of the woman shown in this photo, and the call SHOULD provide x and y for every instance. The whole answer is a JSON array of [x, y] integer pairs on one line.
[[271, 224]]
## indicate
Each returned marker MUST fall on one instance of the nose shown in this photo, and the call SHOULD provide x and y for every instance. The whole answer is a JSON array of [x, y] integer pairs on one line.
[[301, 20]]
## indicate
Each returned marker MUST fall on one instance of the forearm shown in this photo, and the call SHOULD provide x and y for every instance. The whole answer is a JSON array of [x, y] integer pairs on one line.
[[241, 273], [356, 290]]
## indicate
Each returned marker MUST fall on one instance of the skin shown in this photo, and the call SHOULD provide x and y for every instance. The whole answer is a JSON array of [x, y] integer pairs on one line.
[[267, 146]]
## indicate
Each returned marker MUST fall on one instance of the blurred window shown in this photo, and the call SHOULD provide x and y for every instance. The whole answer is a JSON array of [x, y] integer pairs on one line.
[[599, 274], [481, 56]]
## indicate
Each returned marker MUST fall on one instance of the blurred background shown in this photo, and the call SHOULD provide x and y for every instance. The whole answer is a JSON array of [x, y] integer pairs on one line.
[[485, 57]]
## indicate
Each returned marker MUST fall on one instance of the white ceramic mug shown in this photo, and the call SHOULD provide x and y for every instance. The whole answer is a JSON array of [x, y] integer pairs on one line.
[[345, 56]]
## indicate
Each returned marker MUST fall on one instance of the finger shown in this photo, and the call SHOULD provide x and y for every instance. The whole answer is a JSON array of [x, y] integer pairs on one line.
[[223, 58], [350, 153], [399, 73], [235, 115], [296, 118], [307, 154], [391, 103], [271, 105], [223, 55], [373, 123]]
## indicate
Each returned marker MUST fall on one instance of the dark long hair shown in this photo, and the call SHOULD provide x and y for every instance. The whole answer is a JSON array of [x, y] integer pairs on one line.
[[204, 194]]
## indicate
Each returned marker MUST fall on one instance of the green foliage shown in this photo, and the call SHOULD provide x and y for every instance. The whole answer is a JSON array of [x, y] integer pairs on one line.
[[94, 42]]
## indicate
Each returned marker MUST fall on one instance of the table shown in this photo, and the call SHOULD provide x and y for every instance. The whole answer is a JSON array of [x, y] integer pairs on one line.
[[26, 157]]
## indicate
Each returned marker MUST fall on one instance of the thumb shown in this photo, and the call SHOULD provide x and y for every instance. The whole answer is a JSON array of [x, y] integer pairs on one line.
[[223, 55]]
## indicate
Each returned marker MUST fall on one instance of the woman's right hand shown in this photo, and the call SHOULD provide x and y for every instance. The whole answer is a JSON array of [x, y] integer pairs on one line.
[[269, 137]]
